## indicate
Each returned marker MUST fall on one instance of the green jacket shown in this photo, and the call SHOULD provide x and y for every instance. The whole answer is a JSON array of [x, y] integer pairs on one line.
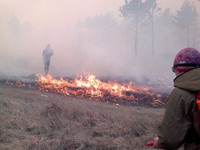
[[181, 122]]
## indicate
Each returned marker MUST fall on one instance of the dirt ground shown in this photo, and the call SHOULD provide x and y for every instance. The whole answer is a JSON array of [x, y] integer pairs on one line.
[[35, 120]]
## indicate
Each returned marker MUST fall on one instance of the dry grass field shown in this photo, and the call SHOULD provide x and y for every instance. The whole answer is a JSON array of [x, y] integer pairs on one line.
[[35, 120]]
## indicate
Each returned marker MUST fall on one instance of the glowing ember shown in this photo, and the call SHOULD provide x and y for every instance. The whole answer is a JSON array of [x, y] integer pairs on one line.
[[90, 87]]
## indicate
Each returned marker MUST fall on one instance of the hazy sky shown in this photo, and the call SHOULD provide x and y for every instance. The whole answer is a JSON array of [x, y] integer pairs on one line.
[[59, 15], [51, 22], [40, 12], [64, 14]]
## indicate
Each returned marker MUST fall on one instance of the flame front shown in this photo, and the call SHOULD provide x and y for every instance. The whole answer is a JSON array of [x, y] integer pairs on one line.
[[91, 87]]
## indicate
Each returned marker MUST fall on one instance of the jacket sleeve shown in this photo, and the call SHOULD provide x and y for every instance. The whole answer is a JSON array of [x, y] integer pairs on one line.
[[176, 121]]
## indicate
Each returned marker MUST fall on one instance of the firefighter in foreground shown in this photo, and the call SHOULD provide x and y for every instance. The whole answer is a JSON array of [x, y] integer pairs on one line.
[[47, 53], [181, 122]]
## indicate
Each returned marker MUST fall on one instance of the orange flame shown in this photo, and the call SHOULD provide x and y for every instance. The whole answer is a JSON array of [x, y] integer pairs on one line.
[[91, 87]]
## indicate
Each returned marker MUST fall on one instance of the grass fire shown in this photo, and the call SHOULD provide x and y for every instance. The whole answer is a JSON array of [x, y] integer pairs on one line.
[[83, 113], [36, 119], [88, 86]]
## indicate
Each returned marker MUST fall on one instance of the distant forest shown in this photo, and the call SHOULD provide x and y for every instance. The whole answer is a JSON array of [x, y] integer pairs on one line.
[[144, 28]]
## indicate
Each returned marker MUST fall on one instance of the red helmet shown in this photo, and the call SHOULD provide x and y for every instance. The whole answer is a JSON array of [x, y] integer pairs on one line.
[[187, 59]]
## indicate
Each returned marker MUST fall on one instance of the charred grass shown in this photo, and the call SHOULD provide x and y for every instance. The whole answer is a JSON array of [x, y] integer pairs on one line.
[[34, 120]]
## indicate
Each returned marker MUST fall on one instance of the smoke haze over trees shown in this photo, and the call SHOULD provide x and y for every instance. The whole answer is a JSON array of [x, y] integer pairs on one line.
[[140, 41], [186, 20]]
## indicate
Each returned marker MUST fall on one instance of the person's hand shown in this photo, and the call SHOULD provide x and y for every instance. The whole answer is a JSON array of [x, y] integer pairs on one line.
[[150, 143], [153, 143]]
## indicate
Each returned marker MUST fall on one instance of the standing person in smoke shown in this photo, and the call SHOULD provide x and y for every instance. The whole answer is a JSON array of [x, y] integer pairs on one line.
[[181, 122], [47, 53]]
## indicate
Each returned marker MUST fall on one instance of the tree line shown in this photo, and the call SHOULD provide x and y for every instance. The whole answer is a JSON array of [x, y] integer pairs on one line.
[[146, 22]]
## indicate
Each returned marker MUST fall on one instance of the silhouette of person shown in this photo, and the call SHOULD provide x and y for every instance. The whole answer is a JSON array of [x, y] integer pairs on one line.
[[47, 53]]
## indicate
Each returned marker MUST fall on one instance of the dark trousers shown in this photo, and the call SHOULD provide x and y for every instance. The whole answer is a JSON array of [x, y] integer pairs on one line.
[[46, 67]]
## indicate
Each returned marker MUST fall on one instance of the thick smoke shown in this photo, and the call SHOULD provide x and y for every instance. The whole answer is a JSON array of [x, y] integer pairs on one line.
[[99, 43]]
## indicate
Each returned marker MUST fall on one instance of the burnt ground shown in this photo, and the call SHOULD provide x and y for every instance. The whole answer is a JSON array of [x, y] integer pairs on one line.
[[32, 119]]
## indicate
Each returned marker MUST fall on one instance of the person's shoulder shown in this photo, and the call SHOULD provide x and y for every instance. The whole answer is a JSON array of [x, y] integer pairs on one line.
[[180, 91], [45, 50], [182, 94]]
